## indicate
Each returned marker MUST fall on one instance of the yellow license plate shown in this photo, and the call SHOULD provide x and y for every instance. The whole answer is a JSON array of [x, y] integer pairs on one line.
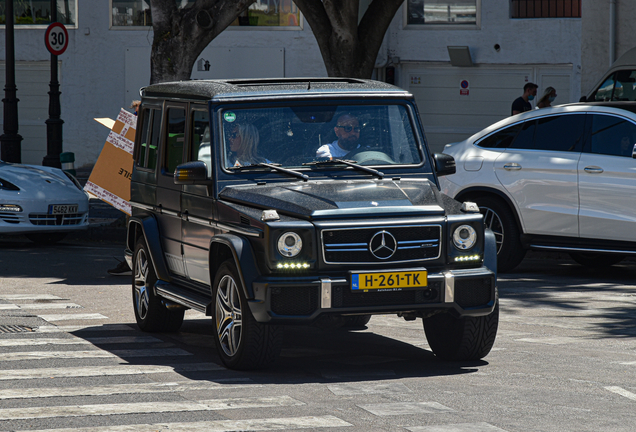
[[389, 280]]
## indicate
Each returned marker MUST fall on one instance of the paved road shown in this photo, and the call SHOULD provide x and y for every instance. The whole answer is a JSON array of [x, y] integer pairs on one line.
[[72, 359]]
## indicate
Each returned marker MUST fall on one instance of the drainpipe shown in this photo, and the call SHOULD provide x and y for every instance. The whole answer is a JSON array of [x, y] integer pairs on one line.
[[612, 32]]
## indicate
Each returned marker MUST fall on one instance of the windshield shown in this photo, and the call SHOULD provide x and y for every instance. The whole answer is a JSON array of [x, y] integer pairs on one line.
[[296, 136]]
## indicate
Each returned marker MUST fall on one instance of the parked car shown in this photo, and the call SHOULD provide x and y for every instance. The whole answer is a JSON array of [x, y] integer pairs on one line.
[[43, 203], [618, 82], [247, 207], [557, 179]]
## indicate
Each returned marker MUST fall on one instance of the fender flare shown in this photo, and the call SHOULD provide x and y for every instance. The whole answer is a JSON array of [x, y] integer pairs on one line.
[[242, 255], [481, 190], [490, 251], [148, 229]]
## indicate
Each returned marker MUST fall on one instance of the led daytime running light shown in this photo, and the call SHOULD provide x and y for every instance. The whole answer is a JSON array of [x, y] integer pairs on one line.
[[10, 208], [292, 266], [467, 258]]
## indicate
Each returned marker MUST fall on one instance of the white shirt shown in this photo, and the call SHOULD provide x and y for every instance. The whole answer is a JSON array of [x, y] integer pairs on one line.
[[332, 150]]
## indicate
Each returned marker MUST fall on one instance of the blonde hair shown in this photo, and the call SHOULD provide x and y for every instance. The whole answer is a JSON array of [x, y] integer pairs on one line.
[[249, 142], [546, 94]]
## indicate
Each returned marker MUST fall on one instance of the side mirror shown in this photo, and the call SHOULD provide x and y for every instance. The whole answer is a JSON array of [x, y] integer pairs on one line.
[[195, 172], [444, 164]]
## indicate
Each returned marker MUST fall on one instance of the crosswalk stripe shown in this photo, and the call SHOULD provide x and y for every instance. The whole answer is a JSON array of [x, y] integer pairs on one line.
[[20, 374], [67, 317], [622, 392], [78, 341], [23, 413], [115, 389], [14, 297], [460, 427], [405, 408], [91, 327], [37, 306], [37, 355], [309, 422], [347, 389], [8, 306]]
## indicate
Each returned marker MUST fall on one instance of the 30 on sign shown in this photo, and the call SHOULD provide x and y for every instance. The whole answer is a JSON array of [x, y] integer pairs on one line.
[[56, 38]]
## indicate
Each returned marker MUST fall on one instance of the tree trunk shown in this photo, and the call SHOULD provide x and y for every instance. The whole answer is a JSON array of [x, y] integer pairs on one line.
[[180, 35], [349, 48]]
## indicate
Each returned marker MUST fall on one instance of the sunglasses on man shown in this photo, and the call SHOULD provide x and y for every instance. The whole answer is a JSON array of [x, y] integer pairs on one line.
[[348, 129]]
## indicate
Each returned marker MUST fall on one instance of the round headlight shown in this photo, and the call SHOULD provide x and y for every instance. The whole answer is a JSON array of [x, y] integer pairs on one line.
[[464, 237], [289, 244]]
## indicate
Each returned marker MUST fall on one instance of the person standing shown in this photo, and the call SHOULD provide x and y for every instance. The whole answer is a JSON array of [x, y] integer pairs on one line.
[[548, 97], [522, 103]]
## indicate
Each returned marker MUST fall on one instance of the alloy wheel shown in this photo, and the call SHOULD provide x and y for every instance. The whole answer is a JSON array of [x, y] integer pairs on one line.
[[229, 315], [493, 221], [142, 299]]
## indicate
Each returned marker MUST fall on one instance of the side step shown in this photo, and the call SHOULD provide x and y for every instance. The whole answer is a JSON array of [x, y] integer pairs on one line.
[[182, 296]]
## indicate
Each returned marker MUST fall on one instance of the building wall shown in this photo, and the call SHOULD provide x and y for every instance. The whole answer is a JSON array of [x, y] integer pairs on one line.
[[102, 65], [595, 37]]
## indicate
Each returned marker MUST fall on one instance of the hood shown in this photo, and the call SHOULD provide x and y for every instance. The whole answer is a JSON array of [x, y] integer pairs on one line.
[[33, 179], [342, 198]]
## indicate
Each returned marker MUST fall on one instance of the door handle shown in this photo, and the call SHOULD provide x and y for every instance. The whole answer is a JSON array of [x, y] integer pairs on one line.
[[593, 169], [512, 167]]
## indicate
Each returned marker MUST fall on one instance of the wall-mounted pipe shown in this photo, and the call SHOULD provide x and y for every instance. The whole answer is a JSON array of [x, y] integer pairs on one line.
[[612, 32]]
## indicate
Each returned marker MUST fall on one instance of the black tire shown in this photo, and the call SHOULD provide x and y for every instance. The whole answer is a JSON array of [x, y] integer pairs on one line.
[[242, 342], [596, 259], [356, 321], [151, 313], [501, 220], [461, 339], [46, 238]]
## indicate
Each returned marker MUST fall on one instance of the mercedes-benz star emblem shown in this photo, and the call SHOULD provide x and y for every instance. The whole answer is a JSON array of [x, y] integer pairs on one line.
[[383, 245]]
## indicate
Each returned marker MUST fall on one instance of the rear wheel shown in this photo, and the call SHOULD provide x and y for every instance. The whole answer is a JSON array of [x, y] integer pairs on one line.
[[46, 238], [500, 219], [151, 313], [243, 343], [592, 259], [468, 338]]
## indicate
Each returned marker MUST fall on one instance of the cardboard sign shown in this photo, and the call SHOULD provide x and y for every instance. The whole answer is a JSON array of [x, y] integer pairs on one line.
[[110, 178]]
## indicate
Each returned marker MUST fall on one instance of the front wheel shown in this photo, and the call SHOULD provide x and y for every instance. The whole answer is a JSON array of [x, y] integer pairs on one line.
[[151, 314], [501, 220], [468, 338], [243, 343]]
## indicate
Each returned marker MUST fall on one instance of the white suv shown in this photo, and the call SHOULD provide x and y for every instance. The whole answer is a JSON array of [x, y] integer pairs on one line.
[[559, 178]]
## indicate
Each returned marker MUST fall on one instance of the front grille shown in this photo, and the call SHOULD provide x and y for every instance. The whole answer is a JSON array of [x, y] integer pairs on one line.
[[473, 292], [294, 300], [352, 245], [343, 297], [56, 220], [9, 217]]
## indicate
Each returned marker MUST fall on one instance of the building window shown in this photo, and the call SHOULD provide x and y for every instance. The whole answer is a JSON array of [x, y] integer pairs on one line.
[[262, 13], [38, 12], [545, 8], [442, 12]]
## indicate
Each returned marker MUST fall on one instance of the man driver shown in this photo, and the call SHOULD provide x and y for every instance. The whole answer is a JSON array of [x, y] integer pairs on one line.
[[347, 131]]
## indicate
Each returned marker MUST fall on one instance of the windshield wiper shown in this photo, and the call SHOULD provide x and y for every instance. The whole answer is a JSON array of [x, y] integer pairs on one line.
[[350, 163], [275, 167]]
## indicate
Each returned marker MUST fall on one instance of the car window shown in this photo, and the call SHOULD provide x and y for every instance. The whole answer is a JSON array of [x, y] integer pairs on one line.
[[525, 137], [150, 130], [175, 138], [201, 141], [612, 135], [604, 92], [560, 133], [625, 87], [293, 135], [502, 138]]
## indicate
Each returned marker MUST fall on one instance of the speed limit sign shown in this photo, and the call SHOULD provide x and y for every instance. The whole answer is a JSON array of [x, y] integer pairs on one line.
[[56, 38]]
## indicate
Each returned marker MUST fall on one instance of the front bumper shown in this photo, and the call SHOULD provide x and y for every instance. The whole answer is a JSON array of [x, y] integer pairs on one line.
[[467, 292]]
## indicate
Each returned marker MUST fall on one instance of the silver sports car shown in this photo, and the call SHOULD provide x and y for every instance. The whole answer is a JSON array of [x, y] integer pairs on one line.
[[43, 203]]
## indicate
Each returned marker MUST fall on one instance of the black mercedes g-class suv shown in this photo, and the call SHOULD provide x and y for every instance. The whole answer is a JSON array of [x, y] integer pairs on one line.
[[287, 201]]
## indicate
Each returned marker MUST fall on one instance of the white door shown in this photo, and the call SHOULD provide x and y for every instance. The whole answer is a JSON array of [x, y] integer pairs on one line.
[[539, 171], [607, 180]]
